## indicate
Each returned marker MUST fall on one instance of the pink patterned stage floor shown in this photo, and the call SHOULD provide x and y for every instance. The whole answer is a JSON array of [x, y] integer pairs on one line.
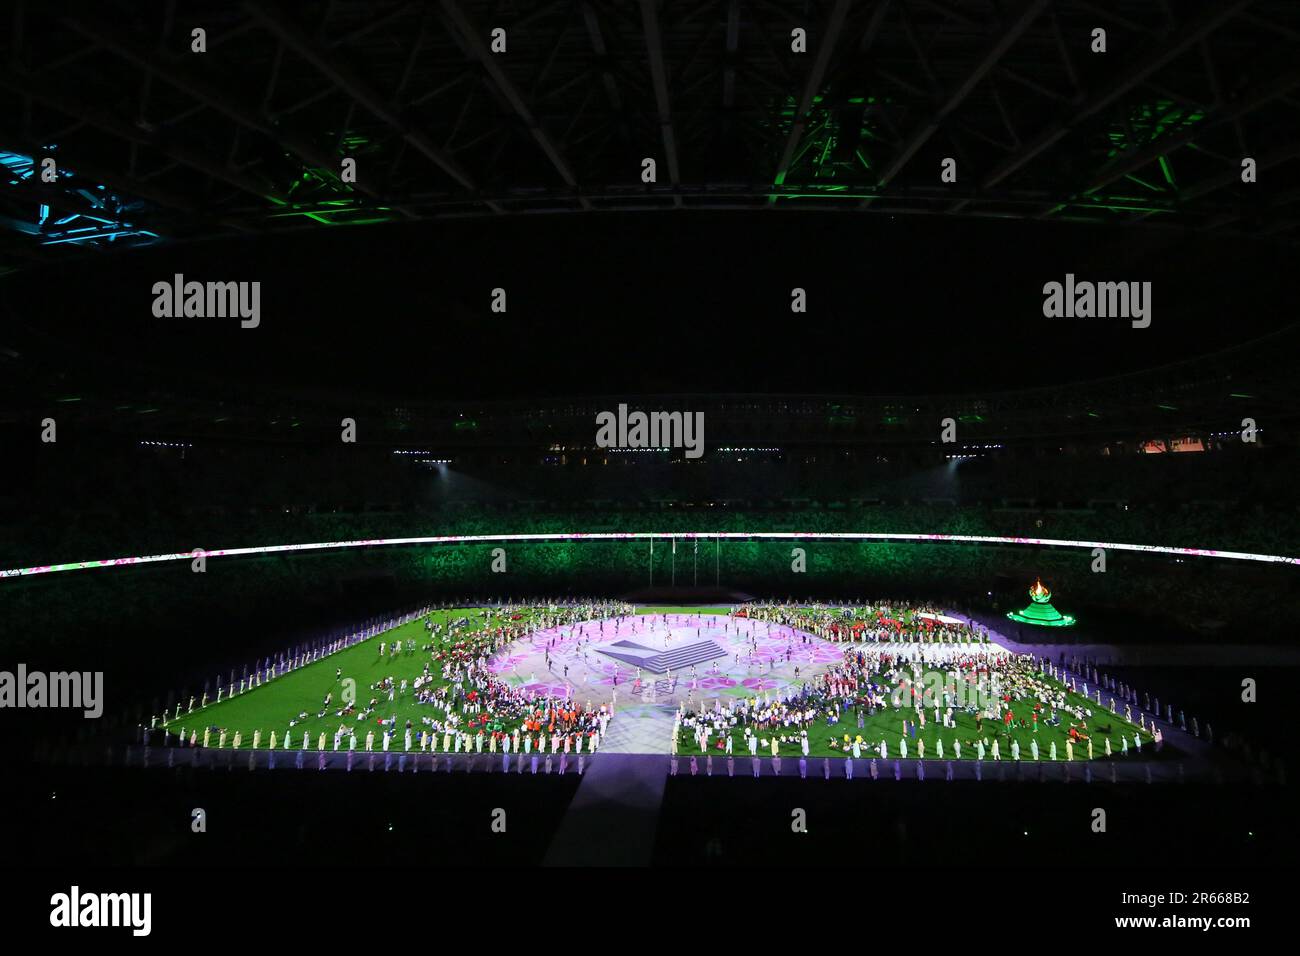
[[757, 657]]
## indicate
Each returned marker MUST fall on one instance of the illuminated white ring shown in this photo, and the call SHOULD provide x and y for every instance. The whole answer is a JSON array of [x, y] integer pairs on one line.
[[643, 535]]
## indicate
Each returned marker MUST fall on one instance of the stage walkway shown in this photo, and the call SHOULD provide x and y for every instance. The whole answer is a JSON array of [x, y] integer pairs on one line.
[[614, 814], [639, 728]]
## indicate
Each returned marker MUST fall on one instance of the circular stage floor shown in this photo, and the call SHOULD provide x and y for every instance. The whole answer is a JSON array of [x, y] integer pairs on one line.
[[678, 657]]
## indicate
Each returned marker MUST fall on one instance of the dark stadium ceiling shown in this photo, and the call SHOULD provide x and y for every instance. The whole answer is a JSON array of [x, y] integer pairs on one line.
[[153, 142], [1208, 394]]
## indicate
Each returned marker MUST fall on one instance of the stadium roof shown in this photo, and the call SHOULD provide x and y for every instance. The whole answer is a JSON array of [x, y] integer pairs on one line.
[[153, 142]]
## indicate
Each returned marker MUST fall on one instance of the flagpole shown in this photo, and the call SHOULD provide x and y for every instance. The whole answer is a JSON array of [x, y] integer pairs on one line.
[[652, 562]]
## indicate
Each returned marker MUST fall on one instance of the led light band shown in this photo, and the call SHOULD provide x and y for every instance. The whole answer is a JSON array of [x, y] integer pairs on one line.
[[643, 535]]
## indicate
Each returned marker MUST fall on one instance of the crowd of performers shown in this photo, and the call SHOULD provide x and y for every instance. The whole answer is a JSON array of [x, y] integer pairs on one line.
[[889, 622], [1007, 697], [470, 710], [890, 663]]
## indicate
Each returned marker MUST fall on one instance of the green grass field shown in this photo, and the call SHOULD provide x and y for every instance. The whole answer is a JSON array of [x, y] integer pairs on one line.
[[271, 706], [683, 609], [887, 725]]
